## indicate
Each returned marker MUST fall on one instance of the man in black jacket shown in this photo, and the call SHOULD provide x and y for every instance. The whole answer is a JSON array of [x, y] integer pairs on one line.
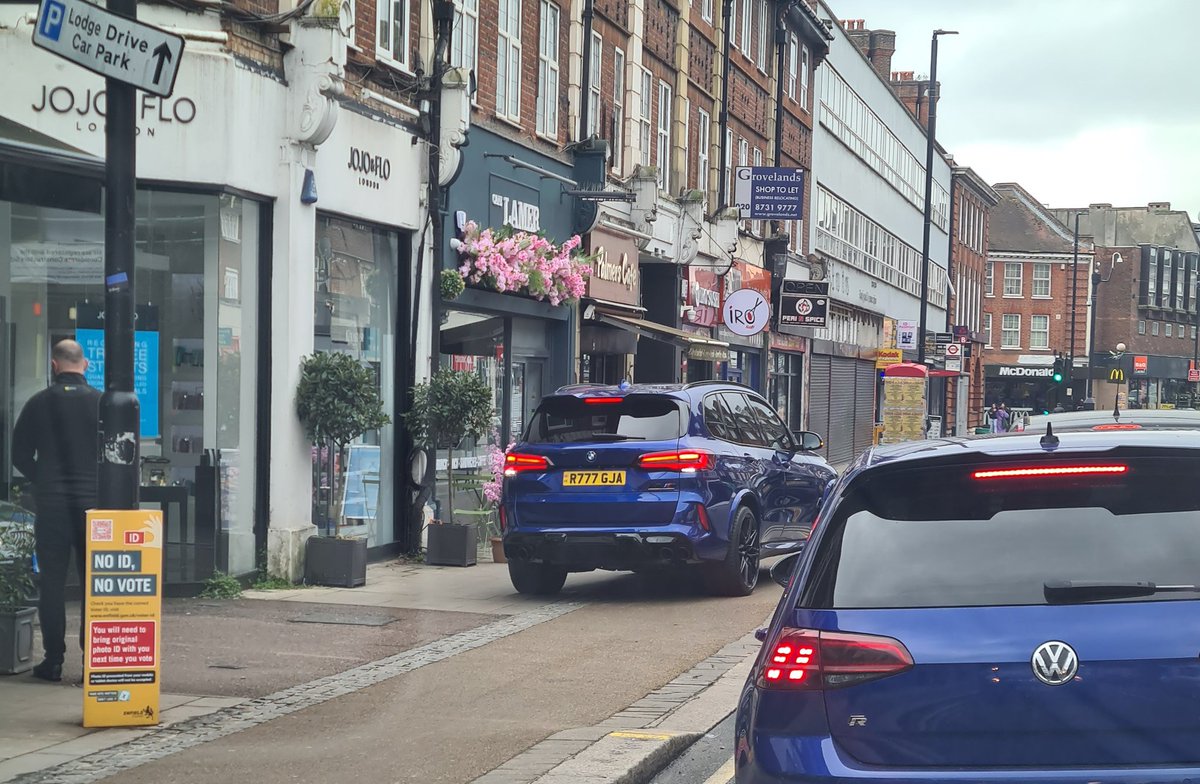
[[56, 445]]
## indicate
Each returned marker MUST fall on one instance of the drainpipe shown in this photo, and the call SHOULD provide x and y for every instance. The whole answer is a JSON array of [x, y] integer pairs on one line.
[[419, 489], [585, 76], [723, 117]]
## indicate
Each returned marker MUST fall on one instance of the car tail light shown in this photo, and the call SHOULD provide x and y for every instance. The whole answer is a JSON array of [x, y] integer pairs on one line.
[[1114, 426], [690, 460], [503, 519], [1048, 471], [811, 659], [515, 463], [602, 401]]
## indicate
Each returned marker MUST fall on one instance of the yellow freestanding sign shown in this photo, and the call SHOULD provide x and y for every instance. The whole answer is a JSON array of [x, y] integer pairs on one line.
[[123, 612]]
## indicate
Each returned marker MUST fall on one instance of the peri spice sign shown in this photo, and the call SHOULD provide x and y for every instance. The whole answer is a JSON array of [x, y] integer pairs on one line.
[[615, 274], [121, 669]]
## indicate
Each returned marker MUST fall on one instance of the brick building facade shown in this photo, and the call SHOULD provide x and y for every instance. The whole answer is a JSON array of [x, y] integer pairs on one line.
[[1146, 298], [1030, 285]]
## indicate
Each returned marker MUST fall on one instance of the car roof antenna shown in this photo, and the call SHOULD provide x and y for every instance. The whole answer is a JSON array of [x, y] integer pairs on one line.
[[1049, 441]]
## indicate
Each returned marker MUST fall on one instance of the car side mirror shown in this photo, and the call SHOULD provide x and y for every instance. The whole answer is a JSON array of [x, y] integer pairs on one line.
[[808, 440], [781, 572]]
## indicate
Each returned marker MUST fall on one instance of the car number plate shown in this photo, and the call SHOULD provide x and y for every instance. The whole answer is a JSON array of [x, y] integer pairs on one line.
[[593, 478]]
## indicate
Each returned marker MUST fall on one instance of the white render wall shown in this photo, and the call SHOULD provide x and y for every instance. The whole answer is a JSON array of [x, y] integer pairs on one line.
[[842, 172]]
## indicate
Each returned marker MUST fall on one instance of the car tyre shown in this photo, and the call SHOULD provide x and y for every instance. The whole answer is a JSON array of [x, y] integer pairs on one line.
[[536, 579], [737, 574]]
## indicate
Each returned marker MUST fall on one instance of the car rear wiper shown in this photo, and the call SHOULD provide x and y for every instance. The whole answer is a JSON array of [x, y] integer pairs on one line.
[[614, 437], [1099, 590]]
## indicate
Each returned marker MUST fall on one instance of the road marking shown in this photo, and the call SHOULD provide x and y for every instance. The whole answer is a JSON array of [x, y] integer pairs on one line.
[[642, 735], [724, 774]]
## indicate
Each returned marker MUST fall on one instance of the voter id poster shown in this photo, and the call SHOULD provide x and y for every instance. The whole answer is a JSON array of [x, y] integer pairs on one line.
[[123, 614]]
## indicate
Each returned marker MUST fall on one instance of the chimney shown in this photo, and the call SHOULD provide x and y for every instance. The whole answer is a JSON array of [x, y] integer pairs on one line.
[[1159, 206], [882, 47], [859, 35]]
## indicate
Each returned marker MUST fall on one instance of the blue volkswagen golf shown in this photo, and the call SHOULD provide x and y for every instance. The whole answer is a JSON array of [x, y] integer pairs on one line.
[[1019, 608], [651, 477]]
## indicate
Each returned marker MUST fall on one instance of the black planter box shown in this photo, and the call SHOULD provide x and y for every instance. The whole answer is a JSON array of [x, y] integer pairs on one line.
[[451, 545], [16, 641], [337, 562]]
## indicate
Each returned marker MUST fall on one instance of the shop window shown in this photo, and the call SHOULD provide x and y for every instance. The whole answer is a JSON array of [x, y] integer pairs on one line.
[[195, 340], [355, 300]]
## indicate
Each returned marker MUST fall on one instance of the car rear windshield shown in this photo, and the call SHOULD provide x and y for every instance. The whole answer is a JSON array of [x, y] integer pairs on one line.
[[943, 537], [568, 420]]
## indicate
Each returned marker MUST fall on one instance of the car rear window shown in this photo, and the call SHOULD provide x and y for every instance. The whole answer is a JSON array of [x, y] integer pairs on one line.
[[940, 537], [566, 420]]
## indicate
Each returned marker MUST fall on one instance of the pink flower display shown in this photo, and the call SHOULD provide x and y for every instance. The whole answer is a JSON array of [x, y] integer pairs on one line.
[[525, 263], [492, 489]]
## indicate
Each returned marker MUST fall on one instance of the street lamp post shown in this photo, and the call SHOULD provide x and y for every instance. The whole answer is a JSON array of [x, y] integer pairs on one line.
[[931, 132]]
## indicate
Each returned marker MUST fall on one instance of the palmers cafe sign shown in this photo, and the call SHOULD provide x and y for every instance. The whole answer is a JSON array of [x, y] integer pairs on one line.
[[615, 275]]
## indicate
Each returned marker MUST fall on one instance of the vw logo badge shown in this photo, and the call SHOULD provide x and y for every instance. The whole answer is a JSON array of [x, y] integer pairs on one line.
[[591, 456], [1055, 663]]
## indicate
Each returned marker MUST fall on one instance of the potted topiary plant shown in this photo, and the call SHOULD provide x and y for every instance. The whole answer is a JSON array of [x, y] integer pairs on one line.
[[337, 401], [16, 587], [446, 409]]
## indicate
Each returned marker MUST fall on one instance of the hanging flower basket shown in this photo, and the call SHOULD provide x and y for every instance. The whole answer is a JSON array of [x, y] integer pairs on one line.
[[518, 262]]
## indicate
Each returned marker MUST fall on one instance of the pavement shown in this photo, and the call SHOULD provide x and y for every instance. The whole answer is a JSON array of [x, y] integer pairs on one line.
[[425, 674]]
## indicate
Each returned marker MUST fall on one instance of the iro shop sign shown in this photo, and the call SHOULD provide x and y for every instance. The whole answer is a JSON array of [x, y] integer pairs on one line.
[[123, 600], [746, 312], [615, 275], [1141, 365]]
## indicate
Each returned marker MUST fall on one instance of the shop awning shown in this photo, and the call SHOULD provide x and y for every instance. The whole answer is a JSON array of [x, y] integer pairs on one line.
[[698, 346]]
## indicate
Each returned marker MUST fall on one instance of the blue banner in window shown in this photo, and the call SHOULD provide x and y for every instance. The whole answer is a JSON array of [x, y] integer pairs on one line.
[[145, 371]]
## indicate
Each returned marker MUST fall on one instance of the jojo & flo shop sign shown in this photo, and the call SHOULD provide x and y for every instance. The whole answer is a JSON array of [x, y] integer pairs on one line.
[[123, 610]]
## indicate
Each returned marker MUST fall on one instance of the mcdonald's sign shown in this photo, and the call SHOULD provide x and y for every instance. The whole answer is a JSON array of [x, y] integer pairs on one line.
[[1116, 376]]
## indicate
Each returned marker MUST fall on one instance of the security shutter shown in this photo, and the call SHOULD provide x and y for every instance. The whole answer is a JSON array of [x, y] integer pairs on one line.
[[818, 397], [843, 391], [864, 406]]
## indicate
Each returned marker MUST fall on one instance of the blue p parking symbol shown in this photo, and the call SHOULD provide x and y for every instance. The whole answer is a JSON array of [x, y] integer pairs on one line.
[[52, 20]]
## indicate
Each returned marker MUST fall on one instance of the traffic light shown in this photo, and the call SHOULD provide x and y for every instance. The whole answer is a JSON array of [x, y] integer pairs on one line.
[[1059, 367]]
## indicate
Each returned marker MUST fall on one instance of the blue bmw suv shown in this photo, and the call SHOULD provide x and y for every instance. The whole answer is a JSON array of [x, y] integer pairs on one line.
[[1018, 608], [649, 477]]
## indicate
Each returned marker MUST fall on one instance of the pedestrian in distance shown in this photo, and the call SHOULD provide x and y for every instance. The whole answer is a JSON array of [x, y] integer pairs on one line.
[[56, 446]]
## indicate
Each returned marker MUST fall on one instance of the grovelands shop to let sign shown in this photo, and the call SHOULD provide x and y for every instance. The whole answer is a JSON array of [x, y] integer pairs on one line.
[[769, 193], [804, 303]]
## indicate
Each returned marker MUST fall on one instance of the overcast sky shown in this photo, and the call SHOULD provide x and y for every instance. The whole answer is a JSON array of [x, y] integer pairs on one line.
[[1079, 101]]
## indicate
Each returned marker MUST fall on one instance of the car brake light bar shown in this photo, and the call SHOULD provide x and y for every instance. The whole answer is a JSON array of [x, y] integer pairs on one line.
[[1083, 470], [688, 460], [515, 463], [602, 401]]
